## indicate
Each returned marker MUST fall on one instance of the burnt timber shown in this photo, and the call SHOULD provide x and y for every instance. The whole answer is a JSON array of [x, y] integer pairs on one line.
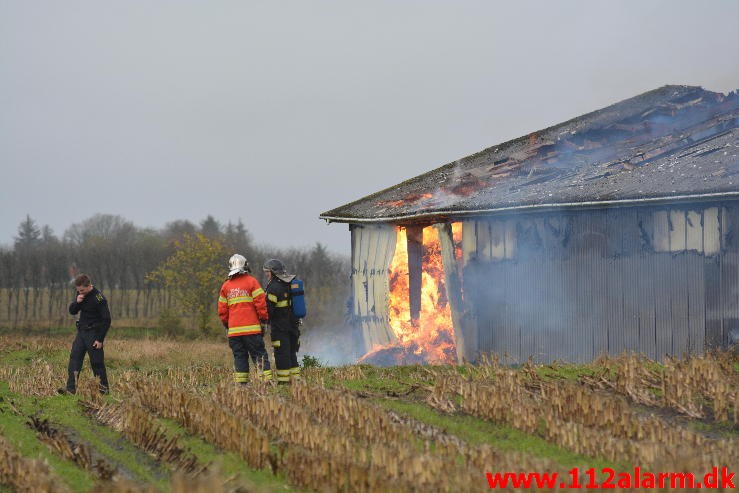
[[614, 231]]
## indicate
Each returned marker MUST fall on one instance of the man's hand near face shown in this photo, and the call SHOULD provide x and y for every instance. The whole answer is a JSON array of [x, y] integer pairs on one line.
[[82, 291]]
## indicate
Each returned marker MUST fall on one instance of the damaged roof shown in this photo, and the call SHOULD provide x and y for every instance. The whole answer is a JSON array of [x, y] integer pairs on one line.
[[672, 143]]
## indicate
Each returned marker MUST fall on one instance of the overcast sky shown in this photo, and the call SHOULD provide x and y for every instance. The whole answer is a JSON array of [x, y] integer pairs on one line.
[[276, 111]]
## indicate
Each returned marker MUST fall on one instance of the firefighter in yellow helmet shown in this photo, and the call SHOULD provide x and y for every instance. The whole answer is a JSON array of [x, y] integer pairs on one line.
[[284, 326], [243, 311]]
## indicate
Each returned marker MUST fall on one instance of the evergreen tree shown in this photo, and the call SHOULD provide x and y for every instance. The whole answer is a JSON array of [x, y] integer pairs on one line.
[[210, 228], [29, 234]]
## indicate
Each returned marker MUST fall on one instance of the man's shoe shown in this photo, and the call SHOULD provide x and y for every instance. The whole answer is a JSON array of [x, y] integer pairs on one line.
[[63, 391]]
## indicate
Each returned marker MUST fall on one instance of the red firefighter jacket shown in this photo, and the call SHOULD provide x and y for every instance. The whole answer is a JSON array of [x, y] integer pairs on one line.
[[241, 305]]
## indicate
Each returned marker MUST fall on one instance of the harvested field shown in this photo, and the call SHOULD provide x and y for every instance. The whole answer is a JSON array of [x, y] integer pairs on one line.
[[174, 421]]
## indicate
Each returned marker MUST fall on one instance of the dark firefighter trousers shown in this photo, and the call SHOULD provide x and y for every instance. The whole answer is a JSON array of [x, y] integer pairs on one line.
[[286, 345], [83, 344], [245, 348]]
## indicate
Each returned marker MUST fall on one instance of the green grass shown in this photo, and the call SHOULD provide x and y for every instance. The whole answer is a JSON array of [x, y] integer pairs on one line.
[[64, 412], [14, 428], [565, 371], [393, 381], [721, 430]]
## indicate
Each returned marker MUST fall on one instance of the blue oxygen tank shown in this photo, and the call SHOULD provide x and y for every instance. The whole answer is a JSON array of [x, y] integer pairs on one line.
[[298, 297]]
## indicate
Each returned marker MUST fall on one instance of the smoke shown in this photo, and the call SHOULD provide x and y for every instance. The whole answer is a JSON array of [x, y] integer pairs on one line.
[[332, 346]]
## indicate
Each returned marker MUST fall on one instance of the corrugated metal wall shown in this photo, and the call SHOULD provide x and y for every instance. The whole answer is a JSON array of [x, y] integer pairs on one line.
[[373, 247], [654, 280]]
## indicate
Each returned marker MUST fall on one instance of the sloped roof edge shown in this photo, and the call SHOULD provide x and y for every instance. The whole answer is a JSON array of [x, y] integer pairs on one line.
[[428, 217]]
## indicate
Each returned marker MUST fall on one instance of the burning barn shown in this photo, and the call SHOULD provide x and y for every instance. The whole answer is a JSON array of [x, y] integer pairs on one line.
[[617, 230]]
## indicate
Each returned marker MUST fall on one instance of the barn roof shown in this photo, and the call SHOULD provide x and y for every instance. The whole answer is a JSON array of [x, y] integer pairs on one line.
[[672, 143]]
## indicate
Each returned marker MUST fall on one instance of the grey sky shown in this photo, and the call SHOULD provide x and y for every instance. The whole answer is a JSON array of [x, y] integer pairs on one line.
[[274, 112]]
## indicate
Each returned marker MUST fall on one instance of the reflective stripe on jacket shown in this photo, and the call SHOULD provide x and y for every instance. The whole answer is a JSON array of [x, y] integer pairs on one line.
[[241, 305]]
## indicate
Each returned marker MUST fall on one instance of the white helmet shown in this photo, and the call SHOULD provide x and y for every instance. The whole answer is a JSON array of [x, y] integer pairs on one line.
[[236, 264]]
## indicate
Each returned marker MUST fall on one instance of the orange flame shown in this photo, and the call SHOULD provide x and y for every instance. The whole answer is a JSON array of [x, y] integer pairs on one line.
[[429, 339]]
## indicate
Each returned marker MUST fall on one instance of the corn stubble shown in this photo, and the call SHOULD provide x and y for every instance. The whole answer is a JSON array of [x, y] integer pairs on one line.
[[587, 420], [330, 440], [701, 387], [24, 474], [62, 444]]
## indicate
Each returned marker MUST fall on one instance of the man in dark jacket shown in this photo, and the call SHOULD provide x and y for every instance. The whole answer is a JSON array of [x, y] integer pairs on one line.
[[92, 327], [284, 325]]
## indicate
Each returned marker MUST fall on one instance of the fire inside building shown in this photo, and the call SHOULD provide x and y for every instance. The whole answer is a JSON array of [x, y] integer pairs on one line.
[[615, 231]]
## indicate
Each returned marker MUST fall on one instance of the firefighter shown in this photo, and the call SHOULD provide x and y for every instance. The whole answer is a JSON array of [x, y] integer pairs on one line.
[[92, 328], [243, 311], [285, 327]]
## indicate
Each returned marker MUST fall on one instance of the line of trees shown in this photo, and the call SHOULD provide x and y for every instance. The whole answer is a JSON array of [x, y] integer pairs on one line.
[[36, 272]]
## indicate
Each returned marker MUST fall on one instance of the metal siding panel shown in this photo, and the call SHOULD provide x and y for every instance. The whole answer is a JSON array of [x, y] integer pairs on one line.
[[560, 325], [522, 316], [381, 281], [358, 284], [497, 240], [497, 319], [592, 306], [729, 291], [485, 303], [677, 231], [372, 239], [469, 240], [661, 240], [647, 324], [510, 328], [540, 304], [570, 276], [367, 326], [679, 305], [494, 311], [612, 315], [663, 317], [600, 299], [385, 243], [523, 338], [510, 238], [510, 331], [712, 277], [711, 231], [584, 344], [356, 233], [696, 303], [543, 304], [694, 231], [733, 292], [631, 303], [483, 240], [633, 243]]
